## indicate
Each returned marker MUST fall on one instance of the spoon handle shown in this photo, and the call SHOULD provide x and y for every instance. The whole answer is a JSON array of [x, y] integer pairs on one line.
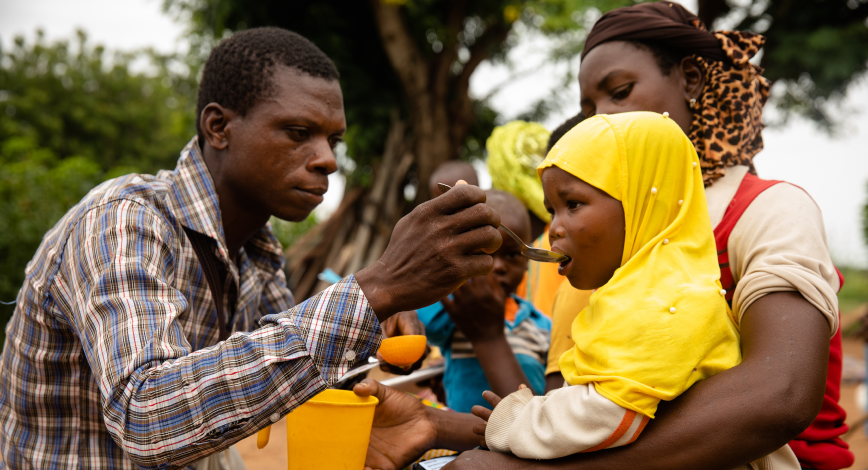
[[513, 235]]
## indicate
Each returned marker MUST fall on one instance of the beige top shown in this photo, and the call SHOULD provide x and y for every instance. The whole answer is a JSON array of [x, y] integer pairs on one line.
[[778, 244]]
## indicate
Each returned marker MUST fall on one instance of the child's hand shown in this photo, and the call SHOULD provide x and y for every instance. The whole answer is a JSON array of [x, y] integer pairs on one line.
[[477, 309], [485, 413]]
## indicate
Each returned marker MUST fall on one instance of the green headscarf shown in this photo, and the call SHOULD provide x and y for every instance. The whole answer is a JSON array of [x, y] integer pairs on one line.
[[515, 150]]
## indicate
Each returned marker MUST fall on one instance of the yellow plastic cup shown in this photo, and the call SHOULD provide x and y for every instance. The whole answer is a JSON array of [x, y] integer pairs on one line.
[[330, 431]]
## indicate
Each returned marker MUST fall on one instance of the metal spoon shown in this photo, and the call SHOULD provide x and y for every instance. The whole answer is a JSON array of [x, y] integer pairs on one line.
[[529, 252]]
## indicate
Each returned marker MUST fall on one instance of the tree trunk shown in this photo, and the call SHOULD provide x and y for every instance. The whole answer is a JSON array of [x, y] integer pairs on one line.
[[440, 116], [710, 10]]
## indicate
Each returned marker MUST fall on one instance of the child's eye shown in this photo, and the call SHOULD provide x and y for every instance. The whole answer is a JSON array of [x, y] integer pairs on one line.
[[622, 93], [573, 204]]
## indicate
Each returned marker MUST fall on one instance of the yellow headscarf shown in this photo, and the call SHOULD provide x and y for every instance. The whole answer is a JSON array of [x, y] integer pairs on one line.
[[661, 323], [515, 149]]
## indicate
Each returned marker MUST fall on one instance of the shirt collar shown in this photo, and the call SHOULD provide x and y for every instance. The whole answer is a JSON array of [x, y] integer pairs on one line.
[[196, 202], [197, 207]]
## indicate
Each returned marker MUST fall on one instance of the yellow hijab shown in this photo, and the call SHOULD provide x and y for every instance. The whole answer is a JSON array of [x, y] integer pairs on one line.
[[661, 323]]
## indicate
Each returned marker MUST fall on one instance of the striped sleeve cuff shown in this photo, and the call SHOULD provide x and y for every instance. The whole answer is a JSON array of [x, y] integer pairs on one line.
[[338, 326]]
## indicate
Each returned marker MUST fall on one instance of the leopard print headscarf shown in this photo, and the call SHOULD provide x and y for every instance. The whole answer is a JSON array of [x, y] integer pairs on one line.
[[727, 118]]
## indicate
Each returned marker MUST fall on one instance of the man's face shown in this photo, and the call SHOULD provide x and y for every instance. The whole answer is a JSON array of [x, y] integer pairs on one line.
[[281, 153]]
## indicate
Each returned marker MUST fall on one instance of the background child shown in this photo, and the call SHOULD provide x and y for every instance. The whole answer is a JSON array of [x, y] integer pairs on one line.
[[449, 173], [629, 207], [501, 340]]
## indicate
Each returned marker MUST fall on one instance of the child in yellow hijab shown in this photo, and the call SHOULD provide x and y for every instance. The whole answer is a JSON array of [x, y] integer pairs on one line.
[[629, 208]]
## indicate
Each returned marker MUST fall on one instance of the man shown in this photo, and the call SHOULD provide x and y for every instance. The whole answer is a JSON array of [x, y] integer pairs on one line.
[[114, 357]]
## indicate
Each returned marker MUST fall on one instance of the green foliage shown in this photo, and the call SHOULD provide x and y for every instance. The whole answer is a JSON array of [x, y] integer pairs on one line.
[[815, 47], [71, 116], [346, 32], [288, 232], [854, 294]]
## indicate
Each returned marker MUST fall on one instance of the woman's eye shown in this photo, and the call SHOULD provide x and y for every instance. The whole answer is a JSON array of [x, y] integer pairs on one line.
[[298, 133], [573, 204], [622, 93]]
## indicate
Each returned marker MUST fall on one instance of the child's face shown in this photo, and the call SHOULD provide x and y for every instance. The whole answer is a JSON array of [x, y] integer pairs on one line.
[[587, 225], [509, 264]]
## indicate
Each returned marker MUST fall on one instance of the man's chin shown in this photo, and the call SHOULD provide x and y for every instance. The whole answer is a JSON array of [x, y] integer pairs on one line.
[[297, 214]]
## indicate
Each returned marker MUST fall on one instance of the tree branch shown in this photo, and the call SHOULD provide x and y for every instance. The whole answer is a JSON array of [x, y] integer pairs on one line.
[[710, 10], [461, 113], [404, 55], [446, 58]]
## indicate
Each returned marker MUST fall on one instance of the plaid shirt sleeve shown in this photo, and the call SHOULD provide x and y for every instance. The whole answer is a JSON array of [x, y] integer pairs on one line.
[[164, 404]]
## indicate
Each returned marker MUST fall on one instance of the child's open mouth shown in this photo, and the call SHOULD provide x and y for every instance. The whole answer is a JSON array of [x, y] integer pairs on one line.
[[564, 267]]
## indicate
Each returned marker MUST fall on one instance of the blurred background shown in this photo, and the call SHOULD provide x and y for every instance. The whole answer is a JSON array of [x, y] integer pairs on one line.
[[93, 89]]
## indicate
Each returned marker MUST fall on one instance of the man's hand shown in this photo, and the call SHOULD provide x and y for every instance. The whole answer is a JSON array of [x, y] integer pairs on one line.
[[403, 324], [402, 430], [433, 250], [477, 309]]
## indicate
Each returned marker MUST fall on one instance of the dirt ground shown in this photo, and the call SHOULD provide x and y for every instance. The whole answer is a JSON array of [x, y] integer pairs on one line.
[[273, 457]]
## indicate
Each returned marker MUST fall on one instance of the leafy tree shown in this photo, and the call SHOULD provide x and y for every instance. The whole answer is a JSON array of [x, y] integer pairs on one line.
[[816, 48], [71, 116], [406, 68]]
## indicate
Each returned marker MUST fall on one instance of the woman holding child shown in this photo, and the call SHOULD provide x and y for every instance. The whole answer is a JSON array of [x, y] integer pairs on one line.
[[777, 274]]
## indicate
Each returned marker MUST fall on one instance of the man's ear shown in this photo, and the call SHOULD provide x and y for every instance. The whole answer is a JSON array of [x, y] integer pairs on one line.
[[693, 80], [213, 122]]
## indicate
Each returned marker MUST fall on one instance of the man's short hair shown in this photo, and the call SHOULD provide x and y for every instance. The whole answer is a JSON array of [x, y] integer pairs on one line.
[[239, 70]]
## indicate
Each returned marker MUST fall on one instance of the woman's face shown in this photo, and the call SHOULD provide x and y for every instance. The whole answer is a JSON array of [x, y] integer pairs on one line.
[[617, 77], [587, 225]]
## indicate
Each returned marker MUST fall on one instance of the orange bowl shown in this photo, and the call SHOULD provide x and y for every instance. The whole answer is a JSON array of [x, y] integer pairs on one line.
[[403, 351]]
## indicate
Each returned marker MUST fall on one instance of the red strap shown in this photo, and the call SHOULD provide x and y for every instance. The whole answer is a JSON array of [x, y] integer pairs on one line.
[[820, 446], [751, 187]]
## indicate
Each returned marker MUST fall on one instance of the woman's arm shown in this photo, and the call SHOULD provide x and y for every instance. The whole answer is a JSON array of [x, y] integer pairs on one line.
[[732, 418]]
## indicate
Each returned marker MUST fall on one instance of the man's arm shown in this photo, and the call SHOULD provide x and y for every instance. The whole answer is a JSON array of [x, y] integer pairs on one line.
[[167, 405], [732, 418], [164, 403]]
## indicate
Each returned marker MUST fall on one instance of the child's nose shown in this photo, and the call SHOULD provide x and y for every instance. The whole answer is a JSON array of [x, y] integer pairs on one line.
[[556, 230]]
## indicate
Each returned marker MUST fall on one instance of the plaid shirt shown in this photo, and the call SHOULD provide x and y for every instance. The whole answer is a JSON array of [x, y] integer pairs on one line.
[[112, 357]]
